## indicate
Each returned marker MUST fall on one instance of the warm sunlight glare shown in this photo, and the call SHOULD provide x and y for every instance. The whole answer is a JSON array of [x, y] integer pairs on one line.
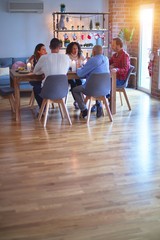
[[146, 15]]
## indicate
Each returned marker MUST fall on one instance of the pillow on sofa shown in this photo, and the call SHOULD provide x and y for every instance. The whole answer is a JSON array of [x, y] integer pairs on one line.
[[4, 71], [6, 62], [18, 64]]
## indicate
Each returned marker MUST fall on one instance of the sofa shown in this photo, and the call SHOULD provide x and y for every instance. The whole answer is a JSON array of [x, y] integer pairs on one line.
[[5, 65]]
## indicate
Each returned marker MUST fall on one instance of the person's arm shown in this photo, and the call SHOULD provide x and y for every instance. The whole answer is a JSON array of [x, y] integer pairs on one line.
[[38, 67], [122, 71], [87, 68], [111, 61]]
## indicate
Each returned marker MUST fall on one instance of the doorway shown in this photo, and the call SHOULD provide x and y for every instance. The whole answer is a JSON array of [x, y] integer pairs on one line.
[[146, 44]]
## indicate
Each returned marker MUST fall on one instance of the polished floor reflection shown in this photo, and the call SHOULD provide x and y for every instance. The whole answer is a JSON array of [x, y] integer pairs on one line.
[[81, 182]]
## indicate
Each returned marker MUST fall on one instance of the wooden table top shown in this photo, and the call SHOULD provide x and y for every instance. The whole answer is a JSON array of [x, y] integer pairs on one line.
[[31, 76]]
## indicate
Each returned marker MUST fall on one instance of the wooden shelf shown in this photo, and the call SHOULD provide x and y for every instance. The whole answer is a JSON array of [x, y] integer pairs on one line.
[[60, 22], [86, 30]]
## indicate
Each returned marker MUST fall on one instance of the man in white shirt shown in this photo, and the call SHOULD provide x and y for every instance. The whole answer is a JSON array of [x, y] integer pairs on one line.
[[50, 64]]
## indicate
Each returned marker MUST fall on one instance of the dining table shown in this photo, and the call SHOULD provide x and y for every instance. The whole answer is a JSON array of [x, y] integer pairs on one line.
[[16, 78]]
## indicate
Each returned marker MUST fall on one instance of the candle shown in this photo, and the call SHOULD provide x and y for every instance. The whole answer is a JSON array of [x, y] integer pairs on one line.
[[29, 66], [73, 66]]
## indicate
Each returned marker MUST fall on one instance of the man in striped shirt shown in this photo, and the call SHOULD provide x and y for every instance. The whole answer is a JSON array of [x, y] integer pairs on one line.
[[119, 61]]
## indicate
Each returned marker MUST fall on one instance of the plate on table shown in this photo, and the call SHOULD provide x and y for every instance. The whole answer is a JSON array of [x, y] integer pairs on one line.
[[23, 71]]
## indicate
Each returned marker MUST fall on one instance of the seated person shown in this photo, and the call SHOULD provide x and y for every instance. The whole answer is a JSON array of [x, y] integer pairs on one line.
[[98, 63], [38, 52], [50, 64], [120, 61], [74, 52]]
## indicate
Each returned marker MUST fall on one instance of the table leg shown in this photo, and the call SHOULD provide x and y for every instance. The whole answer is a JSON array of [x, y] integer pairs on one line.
[[17, 99], [113, 92]]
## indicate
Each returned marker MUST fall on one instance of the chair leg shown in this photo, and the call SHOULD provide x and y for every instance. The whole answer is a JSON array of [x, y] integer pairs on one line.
[[42, 109], [66, 99], [120, 95], [65, 111], [61, 110], [106, 103], [32, 100], [89, 110], [103, 109], [46, 113], [12, 102], [86, 99], [52, 105], [125, 95]]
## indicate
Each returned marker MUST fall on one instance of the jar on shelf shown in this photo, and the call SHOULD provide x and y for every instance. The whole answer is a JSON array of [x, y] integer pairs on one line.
[[97, 25]]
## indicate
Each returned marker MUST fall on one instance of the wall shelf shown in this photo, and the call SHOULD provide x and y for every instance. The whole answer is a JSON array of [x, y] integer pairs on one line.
[[65, 24]]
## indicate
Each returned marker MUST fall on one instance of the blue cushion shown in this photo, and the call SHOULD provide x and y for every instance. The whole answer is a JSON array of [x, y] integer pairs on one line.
[[6, 62], [25, 86], [4, 81]]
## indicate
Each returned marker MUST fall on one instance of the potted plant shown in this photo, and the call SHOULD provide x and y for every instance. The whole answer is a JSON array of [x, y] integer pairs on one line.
[[97, 24], [126, 35], [63, 7], [66, 42]]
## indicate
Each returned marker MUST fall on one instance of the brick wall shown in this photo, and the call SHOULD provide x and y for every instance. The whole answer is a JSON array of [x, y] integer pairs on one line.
[[125, 13]]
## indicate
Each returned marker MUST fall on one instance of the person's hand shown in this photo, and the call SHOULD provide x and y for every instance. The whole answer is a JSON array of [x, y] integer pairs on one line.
[[111, 67], [78, 64], [113, 70]]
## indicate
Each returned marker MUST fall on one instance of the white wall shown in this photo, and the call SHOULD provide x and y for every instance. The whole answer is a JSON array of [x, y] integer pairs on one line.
[[21, 32]]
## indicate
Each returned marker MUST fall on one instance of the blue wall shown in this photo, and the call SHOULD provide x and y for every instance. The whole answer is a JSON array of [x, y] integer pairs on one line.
[[20, 32]]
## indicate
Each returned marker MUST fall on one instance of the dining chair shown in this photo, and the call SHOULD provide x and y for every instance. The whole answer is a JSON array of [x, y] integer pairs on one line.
[[8, 92], [54, 90], [97, 87], [121, 89], [32, 101]]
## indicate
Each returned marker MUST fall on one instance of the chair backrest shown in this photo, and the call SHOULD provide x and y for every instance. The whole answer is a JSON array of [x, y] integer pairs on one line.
[[98, 84], [127, 78], [55, 87]]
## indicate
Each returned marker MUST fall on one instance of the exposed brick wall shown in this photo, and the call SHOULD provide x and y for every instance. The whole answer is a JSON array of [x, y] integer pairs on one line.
[[125, 13]]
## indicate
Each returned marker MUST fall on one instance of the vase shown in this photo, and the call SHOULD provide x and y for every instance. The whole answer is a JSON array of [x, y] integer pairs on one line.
[[66, 44], [62, 9]]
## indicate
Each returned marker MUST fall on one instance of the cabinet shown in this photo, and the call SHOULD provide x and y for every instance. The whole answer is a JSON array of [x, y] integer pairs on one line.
[[88, 29]]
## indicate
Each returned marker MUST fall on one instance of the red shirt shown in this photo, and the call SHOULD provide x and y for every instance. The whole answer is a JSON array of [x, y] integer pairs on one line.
[[121, 62]]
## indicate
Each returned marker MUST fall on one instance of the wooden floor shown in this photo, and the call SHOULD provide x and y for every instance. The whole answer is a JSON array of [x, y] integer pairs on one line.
[[79, 182]]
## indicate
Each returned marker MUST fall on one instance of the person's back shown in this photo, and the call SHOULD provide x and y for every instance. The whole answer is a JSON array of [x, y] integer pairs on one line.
[[98, 63], [54, 62], [51, 64]]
